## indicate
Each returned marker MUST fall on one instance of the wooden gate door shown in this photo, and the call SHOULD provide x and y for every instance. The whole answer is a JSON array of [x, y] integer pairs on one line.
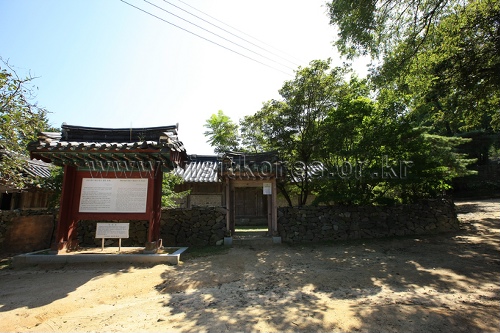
[[250, 203]]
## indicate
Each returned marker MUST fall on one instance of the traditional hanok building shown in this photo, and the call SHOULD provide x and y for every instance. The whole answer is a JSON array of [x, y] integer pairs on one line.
[[243, 183], [30, 196], [202, 180], [110, 174]]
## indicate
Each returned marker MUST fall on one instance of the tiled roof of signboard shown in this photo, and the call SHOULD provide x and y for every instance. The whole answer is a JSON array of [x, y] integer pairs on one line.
[[72, 133], [79, 138], [200, 168]]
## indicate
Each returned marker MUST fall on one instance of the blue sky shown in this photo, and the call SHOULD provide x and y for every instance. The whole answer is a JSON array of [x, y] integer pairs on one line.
[[103, 63]]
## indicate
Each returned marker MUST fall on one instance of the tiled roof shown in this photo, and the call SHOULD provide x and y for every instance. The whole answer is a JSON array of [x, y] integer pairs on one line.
[[108, 143], [103, 146], [80, 138], [210, 168], [38, 168], [72, 133], [250, 158], [29, 169], [200, 168]]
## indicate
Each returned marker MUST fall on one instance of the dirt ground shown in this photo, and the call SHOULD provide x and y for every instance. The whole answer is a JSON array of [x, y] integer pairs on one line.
[[443, 283]]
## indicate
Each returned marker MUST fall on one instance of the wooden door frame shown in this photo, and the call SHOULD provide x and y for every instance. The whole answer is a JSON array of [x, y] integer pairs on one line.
[[232, 184]]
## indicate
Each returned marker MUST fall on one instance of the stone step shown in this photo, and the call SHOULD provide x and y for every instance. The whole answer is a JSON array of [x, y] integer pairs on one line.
[[250, 234], [253, 240]]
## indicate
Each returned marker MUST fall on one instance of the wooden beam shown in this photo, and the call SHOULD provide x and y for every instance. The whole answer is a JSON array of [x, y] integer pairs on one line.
[[250, 183]]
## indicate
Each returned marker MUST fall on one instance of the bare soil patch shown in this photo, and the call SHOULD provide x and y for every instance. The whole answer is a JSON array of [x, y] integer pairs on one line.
[[442, 283]]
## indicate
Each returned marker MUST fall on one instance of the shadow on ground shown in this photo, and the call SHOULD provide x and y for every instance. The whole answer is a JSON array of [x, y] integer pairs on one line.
[[24, 282], [397, 284]]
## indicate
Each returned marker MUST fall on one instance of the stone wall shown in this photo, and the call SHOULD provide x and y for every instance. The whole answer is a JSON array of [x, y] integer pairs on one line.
[[312, 224], [196, 226], [138, 233], [26, 230]]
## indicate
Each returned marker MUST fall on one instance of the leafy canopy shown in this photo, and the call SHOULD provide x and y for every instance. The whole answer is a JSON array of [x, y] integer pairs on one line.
[[372, 154], [442, 57], [367, 147], [20, 121], [438, 59], [375, 27], [222, 132], [169, 197], [293, 125]]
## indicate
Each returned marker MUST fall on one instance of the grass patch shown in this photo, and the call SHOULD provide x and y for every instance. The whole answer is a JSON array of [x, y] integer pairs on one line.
[[204, 251], [251, 228]]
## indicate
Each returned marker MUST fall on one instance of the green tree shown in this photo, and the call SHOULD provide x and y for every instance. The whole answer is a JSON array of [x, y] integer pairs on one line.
[[348, 145], [222, 133], [373, 154], [454, 80], [20, 121], [292, 126], [375, 27], [253, 138], [356, 135], [445, 55], [53, 184], [169, 197], [440, 59]]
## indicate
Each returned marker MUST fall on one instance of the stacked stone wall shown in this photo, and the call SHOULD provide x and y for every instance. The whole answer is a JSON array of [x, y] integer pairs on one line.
[[197, 226], [26, 230], [138, 231], [313, 224], [31, 230]]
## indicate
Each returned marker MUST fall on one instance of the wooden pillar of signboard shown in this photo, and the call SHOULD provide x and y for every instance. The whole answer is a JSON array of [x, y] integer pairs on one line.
[[232, 210], [155, 209], [66, 224]]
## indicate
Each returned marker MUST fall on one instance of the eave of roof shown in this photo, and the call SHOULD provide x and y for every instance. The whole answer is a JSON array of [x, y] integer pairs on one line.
[[38, 168], [30, 170], [200, 169], [98, 134], [244, 166], [78, 144]]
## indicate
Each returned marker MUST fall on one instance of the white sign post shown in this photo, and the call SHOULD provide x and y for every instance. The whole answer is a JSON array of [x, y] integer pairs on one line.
[[112, 230], [267, 188]]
